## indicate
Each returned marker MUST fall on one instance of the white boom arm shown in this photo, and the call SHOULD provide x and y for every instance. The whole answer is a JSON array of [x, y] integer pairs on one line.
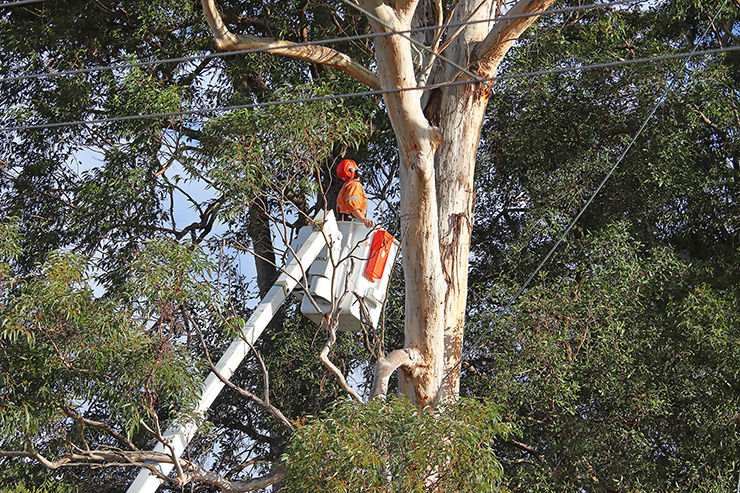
[[324, 233]]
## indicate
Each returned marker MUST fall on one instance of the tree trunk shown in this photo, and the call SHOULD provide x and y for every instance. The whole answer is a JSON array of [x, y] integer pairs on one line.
[[455, 166], [458, 112], [437, 150], [417, 141], [436, 206], [258, 230]]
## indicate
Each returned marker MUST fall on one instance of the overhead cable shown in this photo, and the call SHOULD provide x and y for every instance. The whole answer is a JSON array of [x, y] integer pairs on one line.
[[419, 44], [122, 66], [366, 93], [18, 2], [669, 87]]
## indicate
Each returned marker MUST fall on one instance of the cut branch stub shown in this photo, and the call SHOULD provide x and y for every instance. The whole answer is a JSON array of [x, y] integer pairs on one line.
[[408, 359]]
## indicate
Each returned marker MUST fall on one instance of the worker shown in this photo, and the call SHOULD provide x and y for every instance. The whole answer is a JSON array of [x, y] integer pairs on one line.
[[351, 201]]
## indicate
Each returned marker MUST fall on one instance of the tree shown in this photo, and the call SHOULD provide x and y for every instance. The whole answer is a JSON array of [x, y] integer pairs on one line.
[[394, 447], [101, 219], [99, 224], [438, 134], [602, 362]]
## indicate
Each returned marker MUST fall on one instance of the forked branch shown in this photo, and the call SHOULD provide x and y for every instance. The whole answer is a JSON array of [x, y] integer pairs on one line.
[[489, 52], [324, 357], [264, 403]]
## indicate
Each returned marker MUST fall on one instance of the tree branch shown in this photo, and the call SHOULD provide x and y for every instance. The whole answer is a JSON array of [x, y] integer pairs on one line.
[[526, 448], [101, 426], [263, 403], [324, 357], [488, 53], [196, 473], [384, 368], [227, 41], [704, 118], [116, 458]]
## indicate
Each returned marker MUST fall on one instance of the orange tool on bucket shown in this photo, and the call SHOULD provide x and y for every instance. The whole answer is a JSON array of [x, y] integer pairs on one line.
[[381, 245]]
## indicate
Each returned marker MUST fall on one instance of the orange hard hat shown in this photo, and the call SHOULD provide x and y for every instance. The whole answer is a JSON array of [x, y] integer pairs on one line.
[[347, 170]]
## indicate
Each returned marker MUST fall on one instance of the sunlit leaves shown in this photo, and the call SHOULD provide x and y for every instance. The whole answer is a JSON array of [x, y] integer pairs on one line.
[[393, 446], [276, 150]]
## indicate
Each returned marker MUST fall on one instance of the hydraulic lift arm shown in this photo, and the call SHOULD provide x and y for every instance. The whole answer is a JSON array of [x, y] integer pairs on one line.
[[324, 232]]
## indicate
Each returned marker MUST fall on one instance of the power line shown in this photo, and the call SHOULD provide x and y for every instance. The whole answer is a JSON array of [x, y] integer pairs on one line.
[[19, 2], [364, 93], [669, 87], [298, 45], [618, 63], [420, 45]]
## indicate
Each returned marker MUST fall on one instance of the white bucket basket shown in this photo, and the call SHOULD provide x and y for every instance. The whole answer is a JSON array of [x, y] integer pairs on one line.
[[351, 273]]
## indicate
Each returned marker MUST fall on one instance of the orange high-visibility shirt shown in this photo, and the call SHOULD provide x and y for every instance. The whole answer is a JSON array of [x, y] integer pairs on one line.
[[351, 198]]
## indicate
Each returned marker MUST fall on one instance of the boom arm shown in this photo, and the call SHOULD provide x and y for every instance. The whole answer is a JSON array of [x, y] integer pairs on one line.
[[324, 233]]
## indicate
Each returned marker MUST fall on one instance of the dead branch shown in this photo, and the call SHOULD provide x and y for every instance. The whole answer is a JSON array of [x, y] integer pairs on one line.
[[263, 403], [117, 458], [105, 427]]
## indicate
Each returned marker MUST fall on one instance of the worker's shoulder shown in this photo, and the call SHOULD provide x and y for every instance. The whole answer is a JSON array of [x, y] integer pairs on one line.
[[352, 185]]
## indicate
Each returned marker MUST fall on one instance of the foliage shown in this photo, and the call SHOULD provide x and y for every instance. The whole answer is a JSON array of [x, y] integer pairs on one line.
[[617, 367], [65, 352], [609, 363], [48, 487], [273, 154], [133, 206], [620, 379], [393, 446]]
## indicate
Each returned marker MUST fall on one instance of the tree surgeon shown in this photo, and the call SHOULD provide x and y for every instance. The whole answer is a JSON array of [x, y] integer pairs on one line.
[[351, 202]]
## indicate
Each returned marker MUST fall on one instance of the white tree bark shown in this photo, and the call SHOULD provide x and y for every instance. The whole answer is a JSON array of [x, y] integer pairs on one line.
[[384, 368], [437, 146]]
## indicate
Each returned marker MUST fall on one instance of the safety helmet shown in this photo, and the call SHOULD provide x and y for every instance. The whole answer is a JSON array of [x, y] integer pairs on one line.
[[347, 170]]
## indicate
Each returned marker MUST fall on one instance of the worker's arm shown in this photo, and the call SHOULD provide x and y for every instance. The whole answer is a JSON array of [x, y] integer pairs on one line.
[[357, 214], [355, 201]]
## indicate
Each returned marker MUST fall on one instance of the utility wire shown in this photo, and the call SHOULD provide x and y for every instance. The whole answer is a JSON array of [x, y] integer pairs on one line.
[[419, 44], [364, 93], [19, 2], [669, 87], [298, 45]]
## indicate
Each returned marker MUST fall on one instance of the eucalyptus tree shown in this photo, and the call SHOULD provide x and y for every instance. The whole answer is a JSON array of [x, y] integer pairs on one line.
[[437, 63], [107, 212], [437, 131], [86, 203]]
